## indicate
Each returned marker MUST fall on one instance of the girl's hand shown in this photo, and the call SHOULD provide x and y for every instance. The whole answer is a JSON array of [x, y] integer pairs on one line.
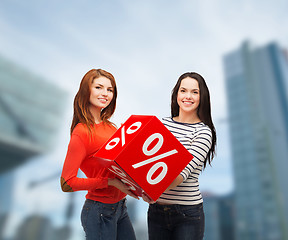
[[115, 182], [146, 198]]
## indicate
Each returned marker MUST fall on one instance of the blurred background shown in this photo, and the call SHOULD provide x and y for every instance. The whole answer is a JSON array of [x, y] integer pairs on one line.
[[238, 47]]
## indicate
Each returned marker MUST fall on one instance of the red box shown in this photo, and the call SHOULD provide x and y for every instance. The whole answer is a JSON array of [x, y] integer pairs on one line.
[[145, 155]]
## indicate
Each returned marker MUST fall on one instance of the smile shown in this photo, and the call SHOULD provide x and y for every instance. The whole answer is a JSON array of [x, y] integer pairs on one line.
[[103, 100], [187, 102]]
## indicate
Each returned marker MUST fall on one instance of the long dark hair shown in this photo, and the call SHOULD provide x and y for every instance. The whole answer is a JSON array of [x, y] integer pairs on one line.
[[204, 108], [82, 113]]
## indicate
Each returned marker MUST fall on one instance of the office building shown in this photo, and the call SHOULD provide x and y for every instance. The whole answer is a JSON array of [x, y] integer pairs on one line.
[[219, 216], [257, 85], [31, 111]]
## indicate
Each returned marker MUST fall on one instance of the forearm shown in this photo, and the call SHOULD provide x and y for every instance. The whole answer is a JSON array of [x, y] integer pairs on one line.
[[115, 182], [80, 184], [178, 180]]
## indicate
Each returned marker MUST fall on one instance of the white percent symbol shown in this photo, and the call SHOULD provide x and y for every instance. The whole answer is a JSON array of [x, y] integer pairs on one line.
[[157, 165], [132, 129], [123, 177]]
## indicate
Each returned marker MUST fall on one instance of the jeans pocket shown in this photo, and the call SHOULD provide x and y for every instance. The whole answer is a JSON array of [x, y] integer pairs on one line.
[[108, 210], [192, 212]]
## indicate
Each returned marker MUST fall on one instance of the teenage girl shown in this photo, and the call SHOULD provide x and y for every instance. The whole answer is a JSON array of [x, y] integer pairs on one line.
[[178, 213], [104, 214]]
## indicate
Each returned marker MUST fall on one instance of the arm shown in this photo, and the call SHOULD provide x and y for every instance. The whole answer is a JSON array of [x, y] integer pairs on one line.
[[76, 153], [147, 199], [115, 182], [199, 147], [178, 180]]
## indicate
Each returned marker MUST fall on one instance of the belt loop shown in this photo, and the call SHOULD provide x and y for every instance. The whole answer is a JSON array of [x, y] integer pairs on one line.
[[178, 208]]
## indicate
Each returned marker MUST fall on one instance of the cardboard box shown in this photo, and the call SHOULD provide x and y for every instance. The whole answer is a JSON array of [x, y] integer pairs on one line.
[[144, 155]]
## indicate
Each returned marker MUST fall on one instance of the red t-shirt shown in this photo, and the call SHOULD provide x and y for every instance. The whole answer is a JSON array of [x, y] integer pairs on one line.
[[80, 149]]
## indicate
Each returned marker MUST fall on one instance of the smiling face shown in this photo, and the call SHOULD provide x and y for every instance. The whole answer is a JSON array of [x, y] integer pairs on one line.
[[188, 97], [101, 93]]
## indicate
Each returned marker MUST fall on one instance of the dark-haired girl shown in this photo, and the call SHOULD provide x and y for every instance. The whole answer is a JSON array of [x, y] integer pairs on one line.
[[178, 213]]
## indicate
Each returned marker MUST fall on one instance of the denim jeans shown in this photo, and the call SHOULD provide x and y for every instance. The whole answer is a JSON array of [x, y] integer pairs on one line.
[[103, 221], [175, 222]]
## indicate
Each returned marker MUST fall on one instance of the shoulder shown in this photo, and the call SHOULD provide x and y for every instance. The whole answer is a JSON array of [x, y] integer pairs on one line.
[[203, 130], [80, 130], [79, 134], [183, 128], [170, 123], [203, 127], [166, 120]]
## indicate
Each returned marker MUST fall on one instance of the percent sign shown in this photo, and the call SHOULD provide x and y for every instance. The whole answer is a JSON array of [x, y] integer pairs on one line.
[[151, 152], [132, 129], [123, 176], [112, 143]]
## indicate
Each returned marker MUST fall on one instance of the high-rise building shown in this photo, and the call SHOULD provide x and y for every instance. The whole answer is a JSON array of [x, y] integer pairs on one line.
[[35, 227], [219, 216], [31, 110], [257, 90], [212, 217]]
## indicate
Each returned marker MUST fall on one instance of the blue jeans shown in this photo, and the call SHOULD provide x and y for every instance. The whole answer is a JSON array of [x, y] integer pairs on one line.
[[175, 222], [103, 221]]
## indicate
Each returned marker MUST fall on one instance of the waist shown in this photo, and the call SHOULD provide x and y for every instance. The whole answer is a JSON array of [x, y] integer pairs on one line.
[[115, 204], [106, 195], [161, 203], [173, 207]]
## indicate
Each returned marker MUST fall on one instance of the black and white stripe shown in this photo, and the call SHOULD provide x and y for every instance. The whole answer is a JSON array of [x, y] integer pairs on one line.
[[197, 139]]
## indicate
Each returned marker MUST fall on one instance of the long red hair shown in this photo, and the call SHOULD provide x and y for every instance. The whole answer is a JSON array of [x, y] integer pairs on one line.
[[82, 113]]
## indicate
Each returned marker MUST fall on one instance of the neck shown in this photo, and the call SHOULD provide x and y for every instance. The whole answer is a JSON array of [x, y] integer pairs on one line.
[[188, 117], [96, 113]]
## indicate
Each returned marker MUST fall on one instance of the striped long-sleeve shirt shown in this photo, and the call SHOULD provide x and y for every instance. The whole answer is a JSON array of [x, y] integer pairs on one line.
[[197, 139]]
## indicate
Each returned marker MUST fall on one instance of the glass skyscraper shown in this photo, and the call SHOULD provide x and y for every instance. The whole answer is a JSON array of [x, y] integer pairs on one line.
[[257, 87], [31, 110], [219, 216]]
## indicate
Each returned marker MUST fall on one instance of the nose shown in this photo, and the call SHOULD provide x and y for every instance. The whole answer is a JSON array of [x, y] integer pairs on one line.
[[104, 92], [188, 95]]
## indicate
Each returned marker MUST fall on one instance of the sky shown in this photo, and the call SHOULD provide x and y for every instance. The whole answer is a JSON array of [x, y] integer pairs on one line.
[[146, 45]]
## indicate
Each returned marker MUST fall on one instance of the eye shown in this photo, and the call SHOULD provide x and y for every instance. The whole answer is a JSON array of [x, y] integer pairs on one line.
[[110, 90], [98, 87]]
